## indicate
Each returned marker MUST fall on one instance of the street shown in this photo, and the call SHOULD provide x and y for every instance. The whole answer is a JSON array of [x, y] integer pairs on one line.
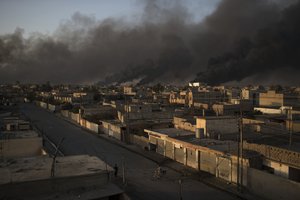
[[139, 170]]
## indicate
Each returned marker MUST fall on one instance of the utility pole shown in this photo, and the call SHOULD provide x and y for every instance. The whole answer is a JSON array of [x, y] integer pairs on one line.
[[241, 150], [290, 119], [126, 117], [238, 157], [123, 170], [241, 143], [180, 189]]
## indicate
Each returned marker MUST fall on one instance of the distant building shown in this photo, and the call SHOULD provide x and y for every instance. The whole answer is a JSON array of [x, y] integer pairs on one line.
[[271, 99], [251, 94], [179, 98], [128, 90], [197, 95]]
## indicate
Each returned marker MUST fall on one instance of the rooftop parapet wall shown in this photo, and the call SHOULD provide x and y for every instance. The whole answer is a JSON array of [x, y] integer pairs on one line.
[[275, 153]]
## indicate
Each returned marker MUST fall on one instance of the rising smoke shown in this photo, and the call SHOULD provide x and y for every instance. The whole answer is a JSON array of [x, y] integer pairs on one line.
[[239, 39], [269, 51]]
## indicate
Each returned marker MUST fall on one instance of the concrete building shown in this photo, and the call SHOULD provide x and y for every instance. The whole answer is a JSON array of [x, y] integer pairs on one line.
[[224, 108], [251, 94], [213, 156], [15, 124], [266, 171], [14, 144], [129, 90], [63, 97], [215, 127], [135, 112], [277, 160], [197, 95], [271, 99], [179, 98], [187, 123], [71, 177], [97, 110]]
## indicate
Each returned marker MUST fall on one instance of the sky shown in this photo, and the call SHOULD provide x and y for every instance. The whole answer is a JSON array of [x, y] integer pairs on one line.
[[149, 41], [44, 16]]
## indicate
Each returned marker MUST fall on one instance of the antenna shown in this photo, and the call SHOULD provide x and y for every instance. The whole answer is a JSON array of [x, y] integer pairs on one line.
[[54, 157]]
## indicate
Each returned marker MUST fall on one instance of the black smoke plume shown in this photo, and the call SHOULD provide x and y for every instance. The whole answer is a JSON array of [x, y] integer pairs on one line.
[[165, 45], [273, 49]]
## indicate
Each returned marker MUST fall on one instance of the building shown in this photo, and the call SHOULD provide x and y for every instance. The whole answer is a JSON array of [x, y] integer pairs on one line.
[[187, 123], [251, 94], [213, 156], [224, 108], [197, 95], [14, 144], [70, 177], [262, 170], [15, 124], [133, 112], [179, 98], [271, 99], [216, 126]]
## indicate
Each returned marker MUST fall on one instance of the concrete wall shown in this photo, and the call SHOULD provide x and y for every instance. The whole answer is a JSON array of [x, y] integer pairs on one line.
[[208, 162], [179, 154], [224, 169], [169, 150], [40, 188], [268, 110], [75, 117], [272, 187], [217, 125], [279, 168], [111, 130], [275, 153], [65, 113], [160, 148], [53, 108], [140, 141], [25, 147], [42, 104], [191, 158], [92, 126], [295, 126]]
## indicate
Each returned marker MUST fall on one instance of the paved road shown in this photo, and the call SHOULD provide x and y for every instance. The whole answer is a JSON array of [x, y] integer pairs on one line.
[[139, 170]]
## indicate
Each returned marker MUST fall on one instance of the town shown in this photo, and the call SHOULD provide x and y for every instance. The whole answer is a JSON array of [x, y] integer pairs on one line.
[[149, 142], [150, 100]]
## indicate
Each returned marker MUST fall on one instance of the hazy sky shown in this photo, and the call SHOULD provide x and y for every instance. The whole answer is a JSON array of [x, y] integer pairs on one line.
[[45, 15]]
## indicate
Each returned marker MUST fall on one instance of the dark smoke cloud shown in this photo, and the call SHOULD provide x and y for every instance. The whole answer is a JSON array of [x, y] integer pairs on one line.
[[165, 45], [273, 49]]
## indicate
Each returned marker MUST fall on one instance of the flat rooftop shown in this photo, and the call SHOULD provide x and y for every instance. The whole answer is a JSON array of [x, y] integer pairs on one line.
[[171, 132], [6, 135], [115, 122], [39, 168], [216, 117], [224, 146]]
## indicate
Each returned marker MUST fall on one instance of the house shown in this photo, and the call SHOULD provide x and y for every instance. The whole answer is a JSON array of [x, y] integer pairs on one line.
[[216, 126], [16, 144], [70, 177], [218, 158], [271, 98]]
